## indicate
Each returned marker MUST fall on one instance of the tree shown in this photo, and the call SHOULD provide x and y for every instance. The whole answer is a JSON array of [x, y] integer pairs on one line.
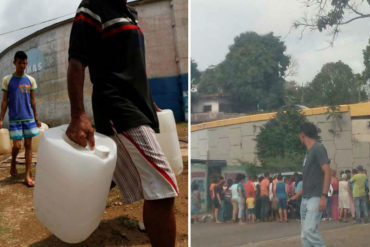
[[210, 81], [278, 144], [195, 73], [252, 73], [366, 53], [335, 84], [330, 15], [293, 93]]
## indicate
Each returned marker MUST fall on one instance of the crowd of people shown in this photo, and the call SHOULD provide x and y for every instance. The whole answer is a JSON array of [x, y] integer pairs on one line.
[[269, 198]]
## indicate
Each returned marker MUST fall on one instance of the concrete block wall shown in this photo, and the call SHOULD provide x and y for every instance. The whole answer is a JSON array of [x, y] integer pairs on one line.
[[346, 140], [156, 19], [361, 142], [180, 12], [165, 26]]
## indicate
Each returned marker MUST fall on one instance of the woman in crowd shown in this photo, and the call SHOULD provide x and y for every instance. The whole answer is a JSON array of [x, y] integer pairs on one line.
[[344, 198], [218, 198], [240, 197], [258, 198], [334, 198], [225, 213], [235, 200]]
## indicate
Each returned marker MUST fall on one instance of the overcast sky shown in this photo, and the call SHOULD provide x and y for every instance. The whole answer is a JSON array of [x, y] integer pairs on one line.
[[216, 23], [15, 14]]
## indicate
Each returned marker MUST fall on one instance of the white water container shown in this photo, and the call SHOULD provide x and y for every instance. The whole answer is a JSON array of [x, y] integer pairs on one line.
[[36, 140], [169, 140], [72, 184], [5, 143]]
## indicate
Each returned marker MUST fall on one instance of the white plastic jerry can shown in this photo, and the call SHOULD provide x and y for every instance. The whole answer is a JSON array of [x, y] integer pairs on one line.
[[5, 143], [36, 140], [169, 140], [72, 184]]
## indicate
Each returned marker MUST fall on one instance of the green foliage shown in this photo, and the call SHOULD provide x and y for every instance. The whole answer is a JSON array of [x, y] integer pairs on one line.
[[252, 73], [366, 54], [331, 15], [195, 73], [210, 81], [278, 144], [335, 84], [293, 93]]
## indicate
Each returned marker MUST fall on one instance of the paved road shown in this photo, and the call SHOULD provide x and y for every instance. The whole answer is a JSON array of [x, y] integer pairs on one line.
[[229, 234]]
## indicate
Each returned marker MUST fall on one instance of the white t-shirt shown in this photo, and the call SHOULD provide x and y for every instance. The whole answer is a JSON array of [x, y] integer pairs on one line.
[[271, 194], [330, 192], [234, 191]]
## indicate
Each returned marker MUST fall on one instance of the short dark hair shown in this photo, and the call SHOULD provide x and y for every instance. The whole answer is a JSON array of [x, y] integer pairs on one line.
[[20, 55], [279, 177], [266, 174], [310, 130], [239, 177], [229, 182]]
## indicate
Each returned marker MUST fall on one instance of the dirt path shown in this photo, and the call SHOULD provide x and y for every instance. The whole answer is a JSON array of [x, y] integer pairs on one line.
[[19, 226]]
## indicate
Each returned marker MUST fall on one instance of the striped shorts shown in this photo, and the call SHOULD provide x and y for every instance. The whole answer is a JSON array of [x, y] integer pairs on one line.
[[142, 170], [24, 129]]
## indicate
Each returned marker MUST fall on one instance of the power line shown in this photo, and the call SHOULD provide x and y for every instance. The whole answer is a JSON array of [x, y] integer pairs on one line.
[[36, 24]]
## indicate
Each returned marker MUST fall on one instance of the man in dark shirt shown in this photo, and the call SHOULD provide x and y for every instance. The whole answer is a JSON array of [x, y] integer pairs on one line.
[[105, 37], [316, 181]]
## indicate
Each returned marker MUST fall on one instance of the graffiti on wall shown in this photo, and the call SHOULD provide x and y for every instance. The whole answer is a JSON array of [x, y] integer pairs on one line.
[[36, 61]]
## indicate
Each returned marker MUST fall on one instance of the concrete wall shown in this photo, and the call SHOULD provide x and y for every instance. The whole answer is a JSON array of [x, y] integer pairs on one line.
[[164, 24], [347, 141]]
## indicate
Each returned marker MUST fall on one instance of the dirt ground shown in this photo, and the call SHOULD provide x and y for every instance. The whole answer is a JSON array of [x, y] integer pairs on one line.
[[19, 226]]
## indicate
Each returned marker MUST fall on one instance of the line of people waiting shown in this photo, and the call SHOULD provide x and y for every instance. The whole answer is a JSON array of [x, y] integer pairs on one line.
[[269, 198]]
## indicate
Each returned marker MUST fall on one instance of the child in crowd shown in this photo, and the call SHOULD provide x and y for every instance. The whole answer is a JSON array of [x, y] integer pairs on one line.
[[251, 209]]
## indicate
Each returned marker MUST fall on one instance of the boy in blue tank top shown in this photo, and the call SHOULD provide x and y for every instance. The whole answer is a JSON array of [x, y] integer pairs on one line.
[[19, 97]]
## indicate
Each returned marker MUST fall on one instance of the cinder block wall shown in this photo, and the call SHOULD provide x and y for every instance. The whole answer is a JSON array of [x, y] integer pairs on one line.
[[347, 141]]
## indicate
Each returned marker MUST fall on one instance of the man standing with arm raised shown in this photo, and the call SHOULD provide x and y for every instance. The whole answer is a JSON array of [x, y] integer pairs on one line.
[[316, 181]]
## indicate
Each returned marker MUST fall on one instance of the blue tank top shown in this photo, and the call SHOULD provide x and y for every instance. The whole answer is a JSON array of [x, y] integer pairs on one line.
[[280, 190]]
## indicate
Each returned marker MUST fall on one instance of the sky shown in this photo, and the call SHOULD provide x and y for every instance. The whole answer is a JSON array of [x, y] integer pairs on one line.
[[214, 24], [15, 14]]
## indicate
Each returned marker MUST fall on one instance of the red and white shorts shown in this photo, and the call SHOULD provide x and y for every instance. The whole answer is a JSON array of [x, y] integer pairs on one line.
[[142, 170]]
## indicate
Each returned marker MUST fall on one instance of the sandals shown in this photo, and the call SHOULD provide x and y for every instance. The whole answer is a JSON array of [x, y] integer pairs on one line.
[[29, 183]]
